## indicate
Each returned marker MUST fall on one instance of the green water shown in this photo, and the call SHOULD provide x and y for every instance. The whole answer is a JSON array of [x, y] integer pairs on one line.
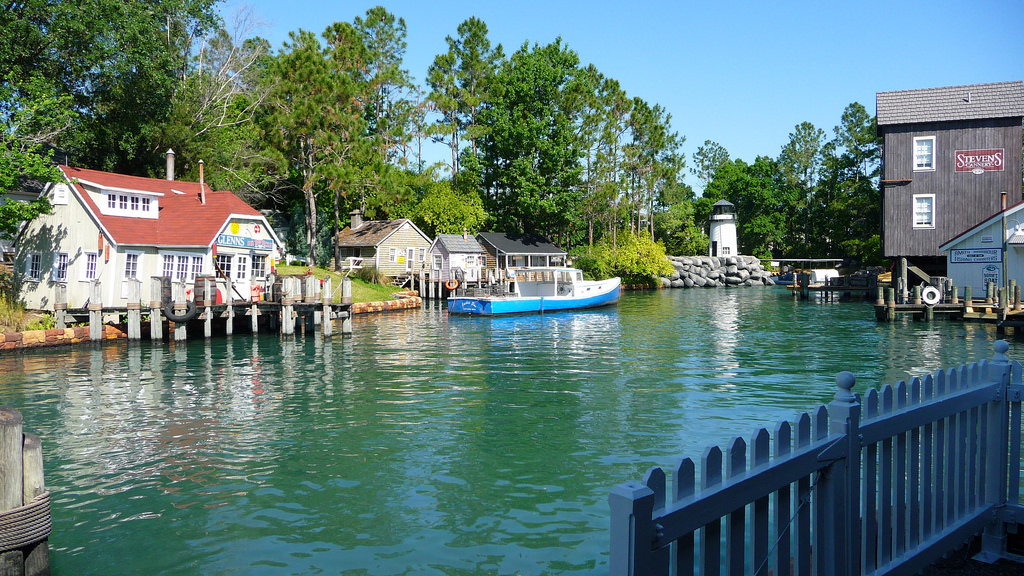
[[427, 444]]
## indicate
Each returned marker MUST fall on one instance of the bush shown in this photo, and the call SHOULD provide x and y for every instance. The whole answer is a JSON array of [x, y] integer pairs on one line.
[[636, 259]]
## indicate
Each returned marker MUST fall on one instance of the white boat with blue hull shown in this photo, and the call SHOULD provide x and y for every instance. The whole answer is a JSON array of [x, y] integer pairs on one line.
[[541, 290]]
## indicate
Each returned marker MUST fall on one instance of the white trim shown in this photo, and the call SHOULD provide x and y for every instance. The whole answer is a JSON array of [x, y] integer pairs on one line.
[[55, 272], [116, 189], [913, 211], [83, 273], [28, 267], [138, 265], [913, 154]]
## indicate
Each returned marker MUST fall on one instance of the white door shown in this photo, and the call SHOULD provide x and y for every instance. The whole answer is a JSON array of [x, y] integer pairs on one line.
[[242, 277], [472, 269], [410, 256]]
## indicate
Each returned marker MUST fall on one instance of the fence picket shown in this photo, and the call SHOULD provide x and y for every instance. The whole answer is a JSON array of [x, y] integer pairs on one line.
[[940, 457], [803, 528], [655, 480], [820, 513], [760, 453], [962, 381], [1015, 437], [927, 461], [885, 472], [684, 485], [870, 489], [900, 481], [914, 495], [711, 534], [735, 537], [783, 504]]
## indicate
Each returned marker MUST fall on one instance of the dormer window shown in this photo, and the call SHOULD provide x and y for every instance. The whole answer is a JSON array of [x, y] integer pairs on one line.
[[128, 204]]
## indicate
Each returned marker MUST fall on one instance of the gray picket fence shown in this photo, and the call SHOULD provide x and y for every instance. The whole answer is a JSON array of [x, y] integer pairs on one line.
[[883, 486]]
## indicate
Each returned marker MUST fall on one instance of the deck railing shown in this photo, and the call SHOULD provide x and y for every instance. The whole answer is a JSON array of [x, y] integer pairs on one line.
[[883, 486]]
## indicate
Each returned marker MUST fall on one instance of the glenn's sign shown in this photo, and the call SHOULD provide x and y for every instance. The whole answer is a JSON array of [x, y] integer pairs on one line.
[[979, 161], [245, 242], [974, 255]]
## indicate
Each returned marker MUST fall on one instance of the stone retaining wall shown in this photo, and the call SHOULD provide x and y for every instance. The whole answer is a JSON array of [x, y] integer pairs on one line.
[[715, 272], [55, 337]]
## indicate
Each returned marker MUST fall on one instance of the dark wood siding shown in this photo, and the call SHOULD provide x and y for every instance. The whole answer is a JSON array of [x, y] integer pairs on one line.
[[962, 199]]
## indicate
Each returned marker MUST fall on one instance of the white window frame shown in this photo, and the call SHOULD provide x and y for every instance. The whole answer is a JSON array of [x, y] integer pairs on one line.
[[86, 256], [422, 254], [923, 168], [61, 260], [131, 205], [138, 265], [224, 261], [438, 261], [913, 211], [241, 267], [197, 266], [259, 266], [34, 267], [393, 255]]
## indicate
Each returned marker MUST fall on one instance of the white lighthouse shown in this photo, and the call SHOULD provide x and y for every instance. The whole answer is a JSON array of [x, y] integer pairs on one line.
[[723, 229]]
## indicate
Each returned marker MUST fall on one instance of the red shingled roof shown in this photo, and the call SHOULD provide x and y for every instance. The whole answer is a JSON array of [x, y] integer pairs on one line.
[[182, 220]]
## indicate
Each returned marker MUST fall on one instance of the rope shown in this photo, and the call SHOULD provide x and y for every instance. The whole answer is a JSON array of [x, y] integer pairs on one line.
[[27, 524]]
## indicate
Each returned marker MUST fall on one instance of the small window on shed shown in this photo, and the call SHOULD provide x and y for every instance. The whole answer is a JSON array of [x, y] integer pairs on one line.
[[924, 210], [924, 153]]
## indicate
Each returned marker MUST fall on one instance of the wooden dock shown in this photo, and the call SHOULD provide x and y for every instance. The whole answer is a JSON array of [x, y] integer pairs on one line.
[[1004, 308], [289, 304]]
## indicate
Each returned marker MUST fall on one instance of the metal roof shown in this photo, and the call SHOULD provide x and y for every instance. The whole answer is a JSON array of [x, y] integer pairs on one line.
[[951, 103], [456, 243], [520, 243]]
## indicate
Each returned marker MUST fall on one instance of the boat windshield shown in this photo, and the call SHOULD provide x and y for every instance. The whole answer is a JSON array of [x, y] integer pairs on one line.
[[535, 276]]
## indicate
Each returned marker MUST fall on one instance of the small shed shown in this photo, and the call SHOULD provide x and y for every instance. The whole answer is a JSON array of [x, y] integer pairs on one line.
[[992, 251], [509, 251], [457, 251], [396, 248]]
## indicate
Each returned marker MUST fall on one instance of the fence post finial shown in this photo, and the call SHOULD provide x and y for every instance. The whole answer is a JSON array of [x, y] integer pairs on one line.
[[844, 382], [1000, 346]]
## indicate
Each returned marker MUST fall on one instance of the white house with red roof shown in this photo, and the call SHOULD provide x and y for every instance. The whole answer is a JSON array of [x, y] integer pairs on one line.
[[116, 228]]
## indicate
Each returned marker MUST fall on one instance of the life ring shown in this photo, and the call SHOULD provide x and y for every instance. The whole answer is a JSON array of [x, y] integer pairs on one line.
[[931, 295], [451, 284], [190, 312]]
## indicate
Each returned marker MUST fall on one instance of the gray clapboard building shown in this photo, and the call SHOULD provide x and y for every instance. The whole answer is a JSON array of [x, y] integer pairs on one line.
[[948, 156]]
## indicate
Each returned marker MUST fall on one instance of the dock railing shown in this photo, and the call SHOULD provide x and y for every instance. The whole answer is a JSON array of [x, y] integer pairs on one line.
[[886, 485]]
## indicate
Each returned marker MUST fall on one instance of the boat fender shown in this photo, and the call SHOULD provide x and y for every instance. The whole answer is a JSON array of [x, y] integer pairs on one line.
[[451, 284], [931, 295], [190, 312]]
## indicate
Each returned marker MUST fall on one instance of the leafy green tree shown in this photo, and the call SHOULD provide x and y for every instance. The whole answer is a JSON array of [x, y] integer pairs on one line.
[[531, 155], [707, 159], [638, 259], [119, 61], [449, 211], [460, 81]]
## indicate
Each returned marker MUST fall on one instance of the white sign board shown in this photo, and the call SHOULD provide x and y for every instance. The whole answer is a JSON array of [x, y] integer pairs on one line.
[[975, 255]]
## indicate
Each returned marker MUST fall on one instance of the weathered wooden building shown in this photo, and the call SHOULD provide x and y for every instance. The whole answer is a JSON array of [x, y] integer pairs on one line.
[[948, 155], [457, 252], [505, 251], [396, 248]]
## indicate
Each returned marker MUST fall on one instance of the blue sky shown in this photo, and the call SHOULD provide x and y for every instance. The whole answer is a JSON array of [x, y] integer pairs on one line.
[[742, 74]]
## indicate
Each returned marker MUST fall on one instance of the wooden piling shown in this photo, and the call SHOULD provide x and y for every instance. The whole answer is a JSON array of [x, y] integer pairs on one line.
[[880, 300], [180, 306], [326, 295], [60, 307], [916, 296], [229, 326], [156, 319], [24, 550], [254, 313], [1016, 296], [346, 298], [207, 308], [890, 304], [134, 310], [954, 297], [95, 311], [968, 299]]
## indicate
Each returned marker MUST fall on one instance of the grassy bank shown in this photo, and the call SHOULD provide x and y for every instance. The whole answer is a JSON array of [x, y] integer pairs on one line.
[[361, 291]]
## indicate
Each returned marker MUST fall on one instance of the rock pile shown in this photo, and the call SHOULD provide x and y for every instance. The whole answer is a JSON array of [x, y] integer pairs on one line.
[[715, 272]]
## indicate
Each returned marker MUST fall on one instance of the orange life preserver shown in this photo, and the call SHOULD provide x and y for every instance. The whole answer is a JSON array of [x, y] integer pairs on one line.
[[451, 284]]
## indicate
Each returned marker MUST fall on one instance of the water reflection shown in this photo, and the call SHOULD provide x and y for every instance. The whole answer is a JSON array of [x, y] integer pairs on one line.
[[427, 444]]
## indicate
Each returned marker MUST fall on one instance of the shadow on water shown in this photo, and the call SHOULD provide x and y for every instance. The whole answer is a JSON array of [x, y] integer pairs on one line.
[[427, 444]]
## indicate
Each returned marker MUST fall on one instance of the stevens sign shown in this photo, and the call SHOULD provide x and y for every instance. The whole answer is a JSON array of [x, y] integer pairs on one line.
[[978, 161]]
